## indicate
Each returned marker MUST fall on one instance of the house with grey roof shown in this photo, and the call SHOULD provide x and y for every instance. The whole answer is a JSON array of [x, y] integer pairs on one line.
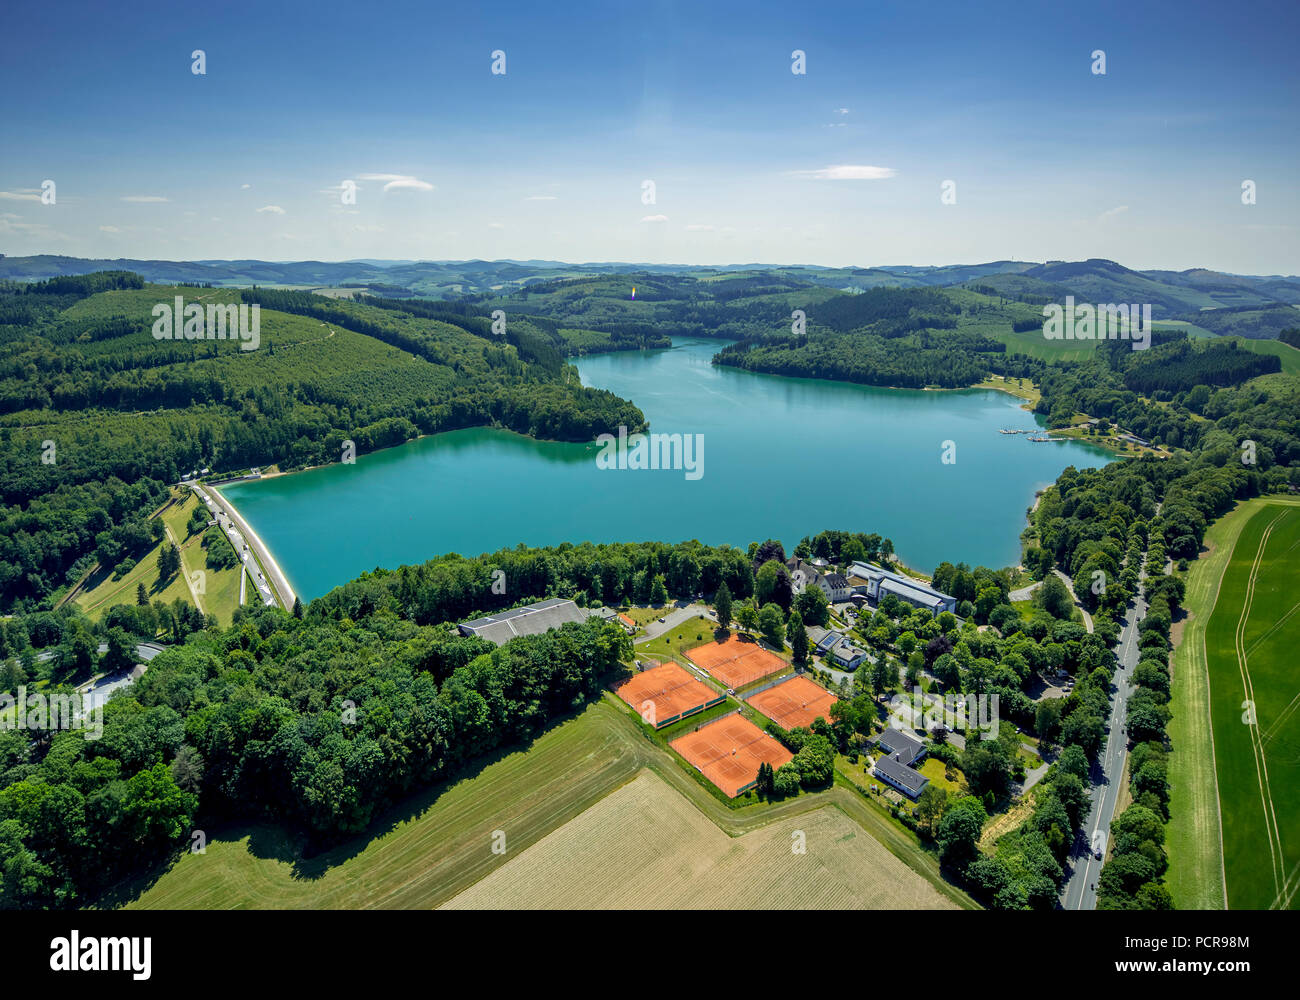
[[823, 640], [893, 772], [904, 744], [835, 586], [848, 656]]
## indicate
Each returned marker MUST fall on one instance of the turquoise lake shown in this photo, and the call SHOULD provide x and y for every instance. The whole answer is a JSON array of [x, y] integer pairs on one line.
[[782, 458]]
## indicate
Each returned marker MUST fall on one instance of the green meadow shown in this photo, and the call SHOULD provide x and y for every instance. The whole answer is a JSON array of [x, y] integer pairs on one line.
[[1250, 642]]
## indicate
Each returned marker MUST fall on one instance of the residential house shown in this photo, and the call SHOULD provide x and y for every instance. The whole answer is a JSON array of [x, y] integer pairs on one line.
[[896, 774], [848, 656], [895, 765]]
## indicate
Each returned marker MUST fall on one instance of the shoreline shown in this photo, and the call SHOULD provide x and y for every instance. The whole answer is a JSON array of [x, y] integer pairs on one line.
[[278, 578]]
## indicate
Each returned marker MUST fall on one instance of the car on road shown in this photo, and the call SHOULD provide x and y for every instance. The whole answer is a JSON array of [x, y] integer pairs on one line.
[[663, 620], [1096, 853]]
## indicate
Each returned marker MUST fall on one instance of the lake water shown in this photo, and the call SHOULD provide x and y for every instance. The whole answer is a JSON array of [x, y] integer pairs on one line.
[[782, 458]]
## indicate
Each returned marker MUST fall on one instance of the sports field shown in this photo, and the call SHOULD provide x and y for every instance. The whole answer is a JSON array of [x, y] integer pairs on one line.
[[1250, 644], [666, 693], [647, 847], [736, 661], [793, 703], [729, 751]]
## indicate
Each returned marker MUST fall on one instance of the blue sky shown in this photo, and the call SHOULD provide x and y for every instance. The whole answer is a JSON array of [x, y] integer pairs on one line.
[[1143, 165]]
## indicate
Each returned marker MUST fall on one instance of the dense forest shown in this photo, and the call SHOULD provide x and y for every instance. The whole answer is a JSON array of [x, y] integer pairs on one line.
[[1181, 366], [903, 361]]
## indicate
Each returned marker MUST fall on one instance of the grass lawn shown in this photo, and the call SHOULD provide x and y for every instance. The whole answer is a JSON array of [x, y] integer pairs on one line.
[[859, 773], [644, 616], [934, 769], [1025, 390], [222, 586], [102, 591]]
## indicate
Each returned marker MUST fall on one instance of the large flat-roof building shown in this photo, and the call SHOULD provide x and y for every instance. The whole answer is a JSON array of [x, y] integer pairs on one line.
[[531, 619], [881, 581]]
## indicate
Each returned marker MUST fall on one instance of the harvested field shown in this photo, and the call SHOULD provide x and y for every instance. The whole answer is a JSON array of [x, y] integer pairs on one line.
[[646, 846]]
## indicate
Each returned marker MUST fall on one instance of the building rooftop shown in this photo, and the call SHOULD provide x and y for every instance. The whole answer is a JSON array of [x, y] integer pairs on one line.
[[878, 574], [531, 619], [921, 595], [907, 746], [901, 774], [824, 639]]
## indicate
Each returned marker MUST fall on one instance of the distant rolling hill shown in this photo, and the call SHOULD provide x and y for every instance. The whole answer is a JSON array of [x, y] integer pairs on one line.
[[1258, 307]]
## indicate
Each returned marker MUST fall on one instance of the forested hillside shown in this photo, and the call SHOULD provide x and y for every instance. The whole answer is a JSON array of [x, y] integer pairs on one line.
[[88, 395]]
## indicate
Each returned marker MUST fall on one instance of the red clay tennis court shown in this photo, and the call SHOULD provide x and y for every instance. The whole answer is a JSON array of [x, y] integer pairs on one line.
[[736, 662], [796, 702], [665, 693], [729, 751]]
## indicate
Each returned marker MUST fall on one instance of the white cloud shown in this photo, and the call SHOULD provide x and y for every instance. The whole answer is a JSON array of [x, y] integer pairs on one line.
[[145, 199], [394, 182], [696, 227], [496, 225], [367, 229], [245, 187], [1110, 213], [841, 111], [25, 194], [109, 229], [38, 229], [274, 209], [541, 197], [848, 172], [654, 218]]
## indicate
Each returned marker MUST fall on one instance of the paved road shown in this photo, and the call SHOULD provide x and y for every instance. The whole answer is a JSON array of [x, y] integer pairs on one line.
[[1108, 774], [1024, 593], [96, 690], [674, 618], [276, 589]]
